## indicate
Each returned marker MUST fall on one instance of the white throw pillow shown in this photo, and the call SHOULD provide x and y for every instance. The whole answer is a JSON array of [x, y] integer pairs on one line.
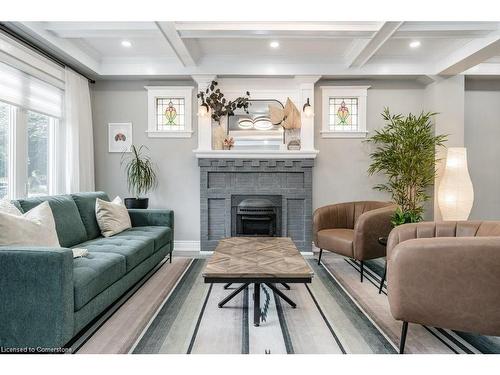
[[112, 217], [8, 208], [34, 228]]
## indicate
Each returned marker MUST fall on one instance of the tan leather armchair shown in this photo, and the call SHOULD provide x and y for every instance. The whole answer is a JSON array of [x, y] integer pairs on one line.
[[352, 229], [445, 274]]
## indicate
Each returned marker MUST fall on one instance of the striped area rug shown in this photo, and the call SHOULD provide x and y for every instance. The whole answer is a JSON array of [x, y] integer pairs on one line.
[[335, 314]]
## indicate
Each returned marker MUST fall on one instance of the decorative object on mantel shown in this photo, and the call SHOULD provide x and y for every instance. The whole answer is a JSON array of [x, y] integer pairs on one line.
[[218, 134], [119, 137], [406, 154], [220, 108], [228, 143], [289, 118], [141, 176], [294, 145]]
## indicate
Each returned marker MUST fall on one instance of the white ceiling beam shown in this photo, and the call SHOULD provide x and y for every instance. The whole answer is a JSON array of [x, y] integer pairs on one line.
[[378, 40], [84, 34], [233, 65], [484, 69], [115, 25], [472, 54], [173, 38], [101, 29], [276, 34], [277, 29], [277, 26], [466, 26]]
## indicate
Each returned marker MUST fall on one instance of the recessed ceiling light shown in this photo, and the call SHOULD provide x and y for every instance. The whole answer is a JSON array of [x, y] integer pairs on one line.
[[415, 44], [126, 44], [274, 44]]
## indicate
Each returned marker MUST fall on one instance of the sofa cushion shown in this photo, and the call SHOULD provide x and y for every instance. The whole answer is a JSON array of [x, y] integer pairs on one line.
[[86, 206], [134, 247], [112, 217], [34, 228], [161, 235], [94, 273], [69, 225], [339, 241]]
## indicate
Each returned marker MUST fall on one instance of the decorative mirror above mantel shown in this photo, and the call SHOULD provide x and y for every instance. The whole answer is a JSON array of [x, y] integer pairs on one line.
[[255, 129]]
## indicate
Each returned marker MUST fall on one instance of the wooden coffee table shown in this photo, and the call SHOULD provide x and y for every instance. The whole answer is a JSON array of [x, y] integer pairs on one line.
[[257, 260]]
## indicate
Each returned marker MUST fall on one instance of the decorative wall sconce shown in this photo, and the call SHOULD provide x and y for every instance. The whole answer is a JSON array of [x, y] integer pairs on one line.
[[455, 193], [203, 110], [308, 109]]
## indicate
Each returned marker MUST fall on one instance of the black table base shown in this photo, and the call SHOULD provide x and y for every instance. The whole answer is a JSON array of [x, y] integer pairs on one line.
[[256, 297]]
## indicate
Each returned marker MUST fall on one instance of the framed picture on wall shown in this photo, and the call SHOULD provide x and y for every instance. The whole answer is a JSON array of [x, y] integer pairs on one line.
[[120, 137]]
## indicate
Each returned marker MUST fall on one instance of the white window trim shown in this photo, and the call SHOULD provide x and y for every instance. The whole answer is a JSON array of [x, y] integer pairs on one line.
[[155, 92], [359, 92]]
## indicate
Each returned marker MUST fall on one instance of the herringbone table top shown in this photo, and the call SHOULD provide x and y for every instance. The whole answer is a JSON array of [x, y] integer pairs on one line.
[[257, 257]]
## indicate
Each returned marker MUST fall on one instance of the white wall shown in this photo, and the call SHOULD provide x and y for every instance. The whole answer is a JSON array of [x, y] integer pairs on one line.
[[446, 96], [482, 139], [126, 101], [339, 175]]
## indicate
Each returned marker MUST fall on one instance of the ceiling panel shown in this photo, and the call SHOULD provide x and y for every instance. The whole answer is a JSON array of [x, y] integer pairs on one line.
[[299, 49], [430, 49], [152, 46]]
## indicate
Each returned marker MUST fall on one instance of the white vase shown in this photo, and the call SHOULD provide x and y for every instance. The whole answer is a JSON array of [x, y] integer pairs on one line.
[[218, 133]]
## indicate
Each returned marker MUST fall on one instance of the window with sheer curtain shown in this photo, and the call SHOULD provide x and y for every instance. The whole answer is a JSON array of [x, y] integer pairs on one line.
[[30, 111]]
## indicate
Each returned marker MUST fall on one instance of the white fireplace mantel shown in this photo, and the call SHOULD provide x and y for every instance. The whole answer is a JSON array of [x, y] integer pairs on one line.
[[298, 89], [253, 154]]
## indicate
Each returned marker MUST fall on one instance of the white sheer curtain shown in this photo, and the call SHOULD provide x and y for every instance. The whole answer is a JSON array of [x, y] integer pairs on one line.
[[79, 143]]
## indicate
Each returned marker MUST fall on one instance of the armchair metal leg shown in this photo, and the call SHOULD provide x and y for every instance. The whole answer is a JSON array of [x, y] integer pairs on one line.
[[362, 269], [319, 258], [404, 331], [170, 257], [383, 279]]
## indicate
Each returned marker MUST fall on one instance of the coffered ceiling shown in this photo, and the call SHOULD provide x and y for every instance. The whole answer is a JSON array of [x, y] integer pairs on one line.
[[142, 49]]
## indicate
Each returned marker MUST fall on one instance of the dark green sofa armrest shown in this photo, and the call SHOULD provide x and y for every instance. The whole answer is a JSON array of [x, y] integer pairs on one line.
[[36, 296], [152, 217]]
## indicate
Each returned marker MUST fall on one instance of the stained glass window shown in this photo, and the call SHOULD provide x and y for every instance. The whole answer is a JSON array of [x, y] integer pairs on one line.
[[170, 114], [343, 114]]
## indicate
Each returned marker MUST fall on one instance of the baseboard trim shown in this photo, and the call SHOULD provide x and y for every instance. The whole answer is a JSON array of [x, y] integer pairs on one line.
[[186, 248], [186, 245]]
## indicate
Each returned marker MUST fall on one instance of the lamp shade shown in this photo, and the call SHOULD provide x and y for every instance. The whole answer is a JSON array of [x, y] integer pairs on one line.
[[455, 193], [309, 111], [203, 110]]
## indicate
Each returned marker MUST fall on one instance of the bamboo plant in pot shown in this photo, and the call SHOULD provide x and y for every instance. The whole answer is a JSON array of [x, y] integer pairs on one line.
[[141, 176], [405, 152]]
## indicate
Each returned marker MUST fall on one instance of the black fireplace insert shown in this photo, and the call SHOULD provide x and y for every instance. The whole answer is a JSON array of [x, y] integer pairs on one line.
[[256, 217]]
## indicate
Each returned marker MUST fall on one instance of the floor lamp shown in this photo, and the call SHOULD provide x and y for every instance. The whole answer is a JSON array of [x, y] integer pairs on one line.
[[455, 193]]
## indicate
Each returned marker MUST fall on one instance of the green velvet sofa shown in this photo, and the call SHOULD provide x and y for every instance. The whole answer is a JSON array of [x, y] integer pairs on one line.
[[47, 297]]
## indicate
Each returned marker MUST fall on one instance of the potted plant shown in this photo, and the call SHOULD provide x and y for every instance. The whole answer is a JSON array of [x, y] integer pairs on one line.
[[141, 176], [213, 99], [406, 153]]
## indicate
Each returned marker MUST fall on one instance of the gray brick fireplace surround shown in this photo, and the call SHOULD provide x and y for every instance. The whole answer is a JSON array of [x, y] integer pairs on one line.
[[224, 182]]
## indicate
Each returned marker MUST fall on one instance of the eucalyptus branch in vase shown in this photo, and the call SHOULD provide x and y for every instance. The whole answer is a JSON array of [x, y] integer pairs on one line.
[[214, 99]]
